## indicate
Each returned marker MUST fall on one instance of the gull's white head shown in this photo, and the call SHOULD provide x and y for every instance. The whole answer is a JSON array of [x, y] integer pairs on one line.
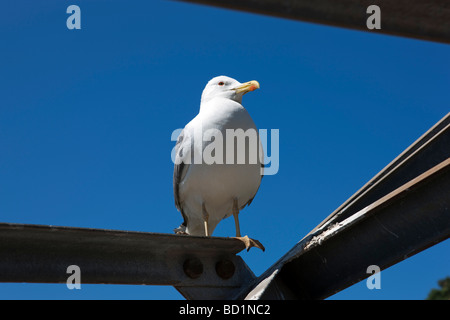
[[228, 88]]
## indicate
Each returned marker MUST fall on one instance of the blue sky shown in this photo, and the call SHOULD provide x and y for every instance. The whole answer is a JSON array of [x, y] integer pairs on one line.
[[86, 118]]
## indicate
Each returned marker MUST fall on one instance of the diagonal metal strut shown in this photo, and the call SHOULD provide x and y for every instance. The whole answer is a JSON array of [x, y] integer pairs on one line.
[[401, 211]]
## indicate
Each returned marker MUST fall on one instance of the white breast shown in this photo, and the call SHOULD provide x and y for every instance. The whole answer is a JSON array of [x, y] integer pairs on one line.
[[217, 185]]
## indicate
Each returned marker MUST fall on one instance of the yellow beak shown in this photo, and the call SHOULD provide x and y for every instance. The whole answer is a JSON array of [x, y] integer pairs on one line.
[[247, 87]]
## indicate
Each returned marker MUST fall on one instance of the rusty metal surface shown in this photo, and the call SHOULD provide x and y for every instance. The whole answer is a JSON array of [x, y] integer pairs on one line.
[[420, 19], [33, 253], [393, 228]]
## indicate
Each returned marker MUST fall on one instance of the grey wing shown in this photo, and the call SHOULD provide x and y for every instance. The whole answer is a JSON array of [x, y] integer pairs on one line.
[[261, 159], [250, 201], [180, 169]]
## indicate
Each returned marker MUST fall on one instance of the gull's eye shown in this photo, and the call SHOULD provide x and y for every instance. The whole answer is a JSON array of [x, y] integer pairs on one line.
[[221, 83]]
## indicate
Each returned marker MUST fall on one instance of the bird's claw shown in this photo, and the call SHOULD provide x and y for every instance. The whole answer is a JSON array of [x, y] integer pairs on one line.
[[251, 243], [180, 231]]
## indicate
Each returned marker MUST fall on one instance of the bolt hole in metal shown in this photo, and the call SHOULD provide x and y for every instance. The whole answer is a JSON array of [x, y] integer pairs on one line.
[[225, 269], [193, 268]]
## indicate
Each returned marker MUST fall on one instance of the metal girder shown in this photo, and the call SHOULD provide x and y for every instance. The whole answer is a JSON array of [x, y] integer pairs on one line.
[[393, 228], [403, 210], [430, 149], [420, 19], [398, 200], [198, 267]]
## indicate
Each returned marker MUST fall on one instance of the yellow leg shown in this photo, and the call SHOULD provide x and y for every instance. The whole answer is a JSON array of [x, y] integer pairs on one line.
[[205, 218], [248, 242], [236, 217]]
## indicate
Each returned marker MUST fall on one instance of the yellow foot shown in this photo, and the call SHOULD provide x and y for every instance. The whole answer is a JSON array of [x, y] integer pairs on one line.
[[251, 243]]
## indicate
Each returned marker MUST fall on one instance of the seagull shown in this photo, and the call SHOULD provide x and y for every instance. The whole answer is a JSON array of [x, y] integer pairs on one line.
[[207, 192]]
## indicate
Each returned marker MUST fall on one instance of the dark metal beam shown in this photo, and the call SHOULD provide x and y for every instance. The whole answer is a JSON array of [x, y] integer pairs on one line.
[[194, 265], [430, 150], [393, 228], [419, 19], [426, 152]]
